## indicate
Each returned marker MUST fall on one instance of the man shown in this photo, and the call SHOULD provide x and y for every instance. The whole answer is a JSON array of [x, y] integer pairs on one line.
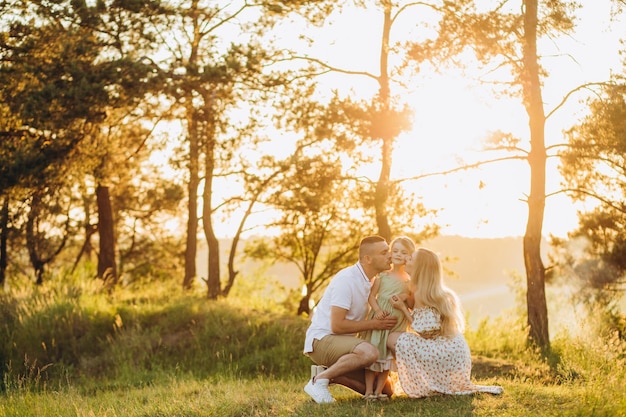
[[331, 338]]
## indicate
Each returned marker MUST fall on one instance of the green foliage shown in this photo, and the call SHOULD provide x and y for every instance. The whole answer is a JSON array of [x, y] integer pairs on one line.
[[51, 326], [67, 330], [593, 169], [59, 77]]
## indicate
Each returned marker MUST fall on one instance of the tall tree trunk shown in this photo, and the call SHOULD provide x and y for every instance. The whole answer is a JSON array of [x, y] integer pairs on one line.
[[40, 251], [193, 130], [535, 270], [192, 205], [31, 237], [232, 273], [303, 306], [213, 278], [4, 234], [106, 258], [381, 194], [90, 230]]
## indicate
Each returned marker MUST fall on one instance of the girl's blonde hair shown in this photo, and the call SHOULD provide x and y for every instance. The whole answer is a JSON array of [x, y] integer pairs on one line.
[[405, 241], [430, 290]]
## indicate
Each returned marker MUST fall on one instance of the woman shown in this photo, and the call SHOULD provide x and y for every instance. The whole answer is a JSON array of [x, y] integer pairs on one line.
[[436, 358]]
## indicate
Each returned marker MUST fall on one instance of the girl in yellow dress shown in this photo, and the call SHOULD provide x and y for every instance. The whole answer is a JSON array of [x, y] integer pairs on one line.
[[387, 284]]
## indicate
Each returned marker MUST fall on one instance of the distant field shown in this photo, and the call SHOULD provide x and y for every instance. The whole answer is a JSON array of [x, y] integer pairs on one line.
[[480, 271], [483, 270]]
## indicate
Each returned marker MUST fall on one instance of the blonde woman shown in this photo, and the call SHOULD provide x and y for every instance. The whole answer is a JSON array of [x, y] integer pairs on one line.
[[435, 358]]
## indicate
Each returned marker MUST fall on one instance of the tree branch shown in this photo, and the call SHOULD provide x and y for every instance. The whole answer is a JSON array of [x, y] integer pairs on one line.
[[575, 90], [621, 208], [335, 69], [462, 168], [406, 6]]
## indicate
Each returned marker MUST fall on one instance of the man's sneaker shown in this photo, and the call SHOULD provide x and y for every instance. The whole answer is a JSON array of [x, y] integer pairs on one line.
[[317, 369], [318, 390]]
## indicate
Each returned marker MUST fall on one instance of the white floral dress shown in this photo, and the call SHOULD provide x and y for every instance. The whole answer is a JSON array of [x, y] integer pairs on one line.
[[438, 365]]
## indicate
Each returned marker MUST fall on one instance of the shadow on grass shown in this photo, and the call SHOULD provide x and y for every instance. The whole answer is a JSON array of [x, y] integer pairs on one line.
[[347, 404], [550, 372], [485, 368]]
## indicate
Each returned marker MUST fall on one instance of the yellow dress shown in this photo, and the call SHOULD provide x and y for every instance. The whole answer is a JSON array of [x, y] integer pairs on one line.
[[389, 285]]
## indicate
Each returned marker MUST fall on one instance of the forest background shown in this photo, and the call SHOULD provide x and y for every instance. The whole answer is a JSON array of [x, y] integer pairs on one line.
[[139, 136]]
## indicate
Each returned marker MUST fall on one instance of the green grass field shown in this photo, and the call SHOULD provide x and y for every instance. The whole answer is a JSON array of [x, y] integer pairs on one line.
[[70, 350]]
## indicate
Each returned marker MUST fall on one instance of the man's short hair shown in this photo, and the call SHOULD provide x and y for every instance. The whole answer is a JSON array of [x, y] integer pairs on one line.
[[366, 243]]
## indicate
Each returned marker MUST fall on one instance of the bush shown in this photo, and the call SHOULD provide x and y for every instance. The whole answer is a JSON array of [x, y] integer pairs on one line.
[[65, 331]]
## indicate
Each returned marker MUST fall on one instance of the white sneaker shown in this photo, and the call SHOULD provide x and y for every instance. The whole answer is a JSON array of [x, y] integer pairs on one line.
[[317, 369], [318, 390]]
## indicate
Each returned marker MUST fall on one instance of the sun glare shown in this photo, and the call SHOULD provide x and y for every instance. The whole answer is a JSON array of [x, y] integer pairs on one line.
[[453, 115]]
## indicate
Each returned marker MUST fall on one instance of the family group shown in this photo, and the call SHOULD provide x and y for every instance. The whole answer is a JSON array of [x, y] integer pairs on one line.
[[390, 312]]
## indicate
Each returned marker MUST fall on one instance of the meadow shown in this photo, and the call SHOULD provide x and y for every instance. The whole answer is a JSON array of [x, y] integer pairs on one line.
[[70, 349]]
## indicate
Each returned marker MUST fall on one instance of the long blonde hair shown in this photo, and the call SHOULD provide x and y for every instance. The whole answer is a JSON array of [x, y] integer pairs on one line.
[[430, 290]]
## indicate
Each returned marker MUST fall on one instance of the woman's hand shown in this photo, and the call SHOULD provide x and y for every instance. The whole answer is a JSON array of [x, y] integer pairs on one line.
[[430, 334], [397, 302], [381, 314]]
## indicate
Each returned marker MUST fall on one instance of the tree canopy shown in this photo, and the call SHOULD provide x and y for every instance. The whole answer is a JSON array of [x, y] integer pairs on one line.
[[118, 116]]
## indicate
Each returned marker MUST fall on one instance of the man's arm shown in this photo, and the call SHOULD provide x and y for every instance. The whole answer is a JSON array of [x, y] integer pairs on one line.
[[339, 324]]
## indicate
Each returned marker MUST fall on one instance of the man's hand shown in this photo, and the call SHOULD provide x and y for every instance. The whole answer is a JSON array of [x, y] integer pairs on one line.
[[340, 325], [386, 323]]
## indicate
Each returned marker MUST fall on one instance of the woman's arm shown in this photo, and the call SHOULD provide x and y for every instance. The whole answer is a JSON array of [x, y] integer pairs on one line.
[[408, 299]]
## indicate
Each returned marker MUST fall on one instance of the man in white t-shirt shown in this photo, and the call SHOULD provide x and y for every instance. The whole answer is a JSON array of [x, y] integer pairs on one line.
[[331, 339]]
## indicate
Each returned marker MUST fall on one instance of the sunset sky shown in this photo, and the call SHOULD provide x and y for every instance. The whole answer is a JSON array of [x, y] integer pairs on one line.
[[453, 116]]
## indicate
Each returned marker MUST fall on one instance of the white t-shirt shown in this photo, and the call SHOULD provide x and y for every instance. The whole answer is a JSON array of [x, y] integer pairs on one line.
[[349, 289]]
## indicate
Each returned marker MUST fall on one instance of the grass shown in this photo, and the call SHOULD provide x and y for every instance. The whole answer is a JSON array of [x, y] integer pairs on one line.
[[227, 396], [69, 350]]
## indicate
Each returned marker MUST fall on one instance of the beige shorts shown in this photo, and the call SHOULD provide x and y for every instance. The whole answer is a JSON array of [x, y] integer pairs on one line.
[[330, 348]]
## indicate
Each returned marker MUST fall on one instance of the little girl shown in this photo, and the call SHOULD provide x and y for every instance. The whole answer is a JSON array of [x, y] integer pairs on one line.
[[386, 285]]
